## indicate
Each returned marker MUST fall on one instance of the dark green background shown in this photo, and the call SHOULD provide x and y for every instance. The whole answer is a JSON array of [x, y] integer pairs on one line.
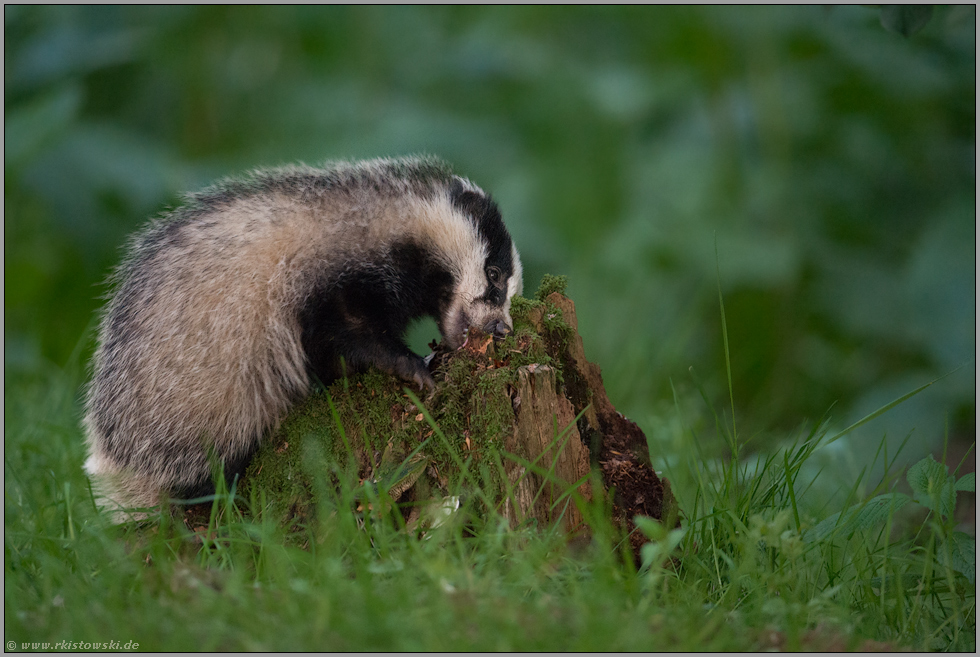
[[831, 160]]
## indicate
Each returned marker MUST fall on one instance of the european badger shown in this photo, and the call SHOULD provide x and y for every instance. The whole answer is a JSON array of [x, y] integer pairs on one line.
[[226, 309]]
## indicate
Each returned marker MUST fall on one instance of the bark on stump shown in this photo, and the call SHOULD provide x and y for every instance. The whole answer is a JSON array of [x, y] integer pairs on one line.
[[541, 413]]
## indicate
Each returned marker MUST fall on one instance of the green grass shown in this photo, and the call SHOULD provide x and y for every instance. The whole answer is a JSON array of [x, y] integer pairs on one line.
[[750, 568], [758, 562]]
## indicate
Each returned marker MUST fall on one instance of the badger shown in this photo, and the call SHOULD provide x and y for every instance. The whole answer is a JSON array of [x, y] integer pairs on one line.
[[227, 310]]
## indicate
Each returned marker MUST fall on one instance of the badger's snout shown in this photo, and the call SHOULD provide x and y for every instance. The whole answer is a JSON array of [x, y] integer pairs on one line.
[[459, 319], [497, 328]]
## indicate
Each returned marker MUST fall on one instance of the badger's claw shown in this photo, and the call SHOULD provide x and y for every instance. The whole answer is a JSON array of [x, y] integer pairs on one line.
[[425, 381], [412, 369]]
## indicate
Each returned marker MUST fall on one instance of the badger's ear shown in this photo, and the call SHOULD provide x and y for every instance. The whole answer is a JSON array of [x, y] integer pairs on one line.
[[473, 204]]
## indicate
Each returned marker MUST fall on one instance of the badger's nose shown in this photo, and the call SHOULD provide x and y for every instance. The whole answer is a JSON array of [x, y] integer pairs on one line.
[[497, 328]]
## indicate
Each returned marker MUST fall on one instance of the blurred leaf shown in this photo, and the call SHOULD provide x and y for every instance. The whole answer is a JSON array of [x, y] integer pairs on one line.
[[102, 174], [933, 486], [884, 409], [651, 528], [927, 476], [964, 552], [662, 542], [31, 126], [64, 47], [860, 516], [905, 19], [967, 483]]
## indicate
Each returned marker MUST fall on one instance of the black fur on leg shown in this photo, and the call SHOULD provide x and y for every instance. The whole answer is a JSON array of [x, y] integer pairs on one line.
[[363, 317]]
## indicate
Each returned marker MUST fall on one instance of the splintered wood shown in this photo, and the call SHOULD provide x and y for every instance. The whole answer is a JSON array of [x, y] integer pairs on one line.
[[547, 438]]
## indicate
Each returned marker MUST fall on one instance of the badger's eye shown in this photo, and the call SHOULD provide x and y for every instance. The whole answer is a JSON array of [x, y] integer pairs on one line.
[[495, 276]]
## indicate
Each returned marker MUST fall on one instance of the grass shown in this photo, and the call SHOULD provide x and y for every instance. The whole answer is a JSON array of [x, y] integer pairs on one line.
[[757, 563]]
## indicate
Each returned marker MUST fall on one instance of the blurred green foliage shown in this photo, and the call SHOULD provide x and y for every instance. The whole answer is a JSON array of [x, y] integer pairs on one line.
[[832, 161]]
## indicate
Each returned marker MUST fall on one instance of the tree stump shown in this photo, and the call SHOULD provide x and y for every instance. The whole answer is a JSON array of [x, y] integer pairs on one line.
[[523, 425]]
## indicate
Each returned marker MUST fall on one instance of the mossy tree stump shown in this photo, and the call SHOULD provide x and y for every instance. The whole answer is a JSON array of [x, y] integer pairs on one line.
[[522, 426]]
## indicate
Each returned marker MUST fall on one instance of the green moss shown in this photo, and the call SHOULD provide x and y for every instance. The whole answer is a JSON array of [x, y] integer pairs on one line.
[[520, 310], [541, 333], [551, 283]]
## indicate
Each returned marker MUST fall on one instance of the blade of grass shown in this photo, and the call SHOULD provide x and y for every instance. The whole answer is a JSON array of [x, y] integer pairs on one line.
[[887, 407], [728, 359]]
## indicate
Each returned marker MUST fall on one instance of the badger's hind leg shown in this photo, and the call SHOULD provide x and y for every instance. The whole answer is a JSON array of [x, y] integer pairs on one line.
[[128, 496], [233, 467], [125, 495]]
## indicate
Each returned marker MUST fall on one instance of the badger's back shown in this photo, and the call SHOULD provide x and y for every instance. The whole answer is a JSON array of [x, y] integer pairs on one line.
[[201, 345]]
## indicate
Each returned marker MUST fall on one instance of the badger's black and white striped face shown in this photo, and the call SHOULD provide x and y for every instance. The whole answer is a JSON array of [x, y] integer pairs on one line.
[[488, 273]]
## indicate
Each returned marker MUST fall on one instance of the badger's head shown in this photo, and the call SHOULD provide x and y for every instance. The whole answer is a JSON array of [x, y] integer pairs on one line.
[[485, 265]]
